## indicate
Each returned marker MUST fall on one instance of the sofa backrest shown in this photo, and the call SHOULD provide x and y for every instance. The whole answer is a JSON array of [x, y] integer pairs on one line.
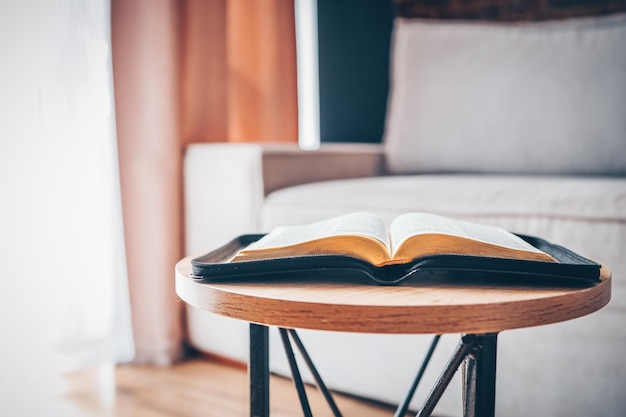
[[539, 98]]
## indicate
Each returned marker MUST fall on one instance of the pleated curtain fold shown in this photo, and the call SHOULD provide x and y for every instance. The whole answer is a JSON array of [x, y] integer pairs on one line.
[[188, 71]]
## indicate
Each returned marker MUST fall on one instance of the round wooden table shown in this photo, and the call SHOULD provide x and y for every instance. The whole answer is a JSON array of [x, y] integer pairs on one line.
[[435, 305]]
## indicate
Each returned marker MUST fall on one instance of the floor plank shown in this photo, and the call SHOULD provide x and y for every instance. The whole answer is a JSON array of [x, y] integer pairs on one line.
[[193, 388]]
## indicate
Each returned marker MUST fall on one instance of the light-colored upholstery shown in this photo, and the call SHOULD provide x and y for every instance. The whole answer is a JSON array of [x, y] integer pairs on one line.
[[523, 98], [574, 368]]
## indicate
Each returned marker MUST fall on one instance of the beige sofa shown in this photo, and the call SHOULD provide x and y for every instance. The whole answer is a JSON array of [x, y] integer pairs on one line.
[[521, 126]]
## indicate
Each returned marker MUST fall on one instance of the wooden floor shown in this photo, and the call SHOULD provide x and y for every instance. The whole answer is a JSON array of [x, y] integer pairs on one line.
[[192, 389]]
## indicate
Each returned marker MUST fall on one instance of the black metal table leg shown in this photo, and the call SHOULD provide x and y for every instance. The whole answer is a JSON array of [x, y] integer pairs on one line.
[[479, 394], [478, 354], [316, 375], [404, 406], [457, 358], [259, 371], [295, 372]]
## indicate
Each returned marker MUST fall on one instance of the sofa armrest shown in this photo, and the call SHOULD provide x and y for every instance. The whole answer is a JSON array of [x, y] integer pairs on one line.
[[225, 184], [223, 191], [288, 165]]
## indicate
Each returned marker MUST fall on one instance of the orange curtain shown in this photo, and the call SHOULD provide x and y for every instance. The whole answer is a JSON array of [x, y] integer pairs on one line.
[[239, 71], [188, 71]]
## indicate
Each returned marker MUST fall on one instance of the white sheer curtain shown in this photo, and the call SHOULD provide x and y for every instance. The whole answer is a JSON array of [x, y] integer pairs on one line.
[[63, 293]]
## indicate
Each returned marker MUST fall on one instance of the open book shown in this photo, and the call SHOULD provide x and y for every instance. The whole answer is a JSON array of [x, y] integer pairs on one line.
[[413, 243], [409, 236]]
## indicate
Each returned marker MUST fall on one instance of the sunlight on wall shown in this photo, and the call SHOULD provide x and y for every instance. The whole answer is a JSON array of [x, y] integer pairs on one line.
[[62, 284]]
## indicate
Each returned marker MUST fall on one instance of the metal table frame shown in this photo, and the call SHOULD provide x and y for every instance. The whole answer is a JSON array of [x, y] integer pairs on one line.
[[476, 352]]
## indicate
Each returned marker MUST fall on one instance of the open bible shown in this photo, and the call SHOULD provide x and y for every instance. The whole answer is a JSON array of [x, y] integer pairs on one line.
[[408, 237], [390, 253]]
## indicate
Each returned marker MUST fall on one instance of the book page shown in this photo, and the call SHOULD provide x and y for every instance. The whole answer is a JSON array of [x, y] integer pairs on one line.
[[364, 224], [412, 224]]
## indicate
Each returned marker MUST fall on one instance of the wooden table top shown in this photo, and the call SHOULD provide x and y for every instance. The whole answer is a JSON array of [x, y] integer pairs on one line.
[[432, 306]]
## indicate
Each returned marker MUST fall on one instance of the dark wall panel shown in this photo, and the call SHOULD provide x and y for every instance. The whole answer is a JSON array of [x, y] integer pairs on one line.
[[354, 45]]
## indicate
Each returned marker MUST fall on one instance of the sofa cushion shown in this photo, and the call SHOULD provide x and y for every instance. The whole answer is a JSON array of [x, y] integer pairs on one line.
[[585, 198], [545, 97]]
